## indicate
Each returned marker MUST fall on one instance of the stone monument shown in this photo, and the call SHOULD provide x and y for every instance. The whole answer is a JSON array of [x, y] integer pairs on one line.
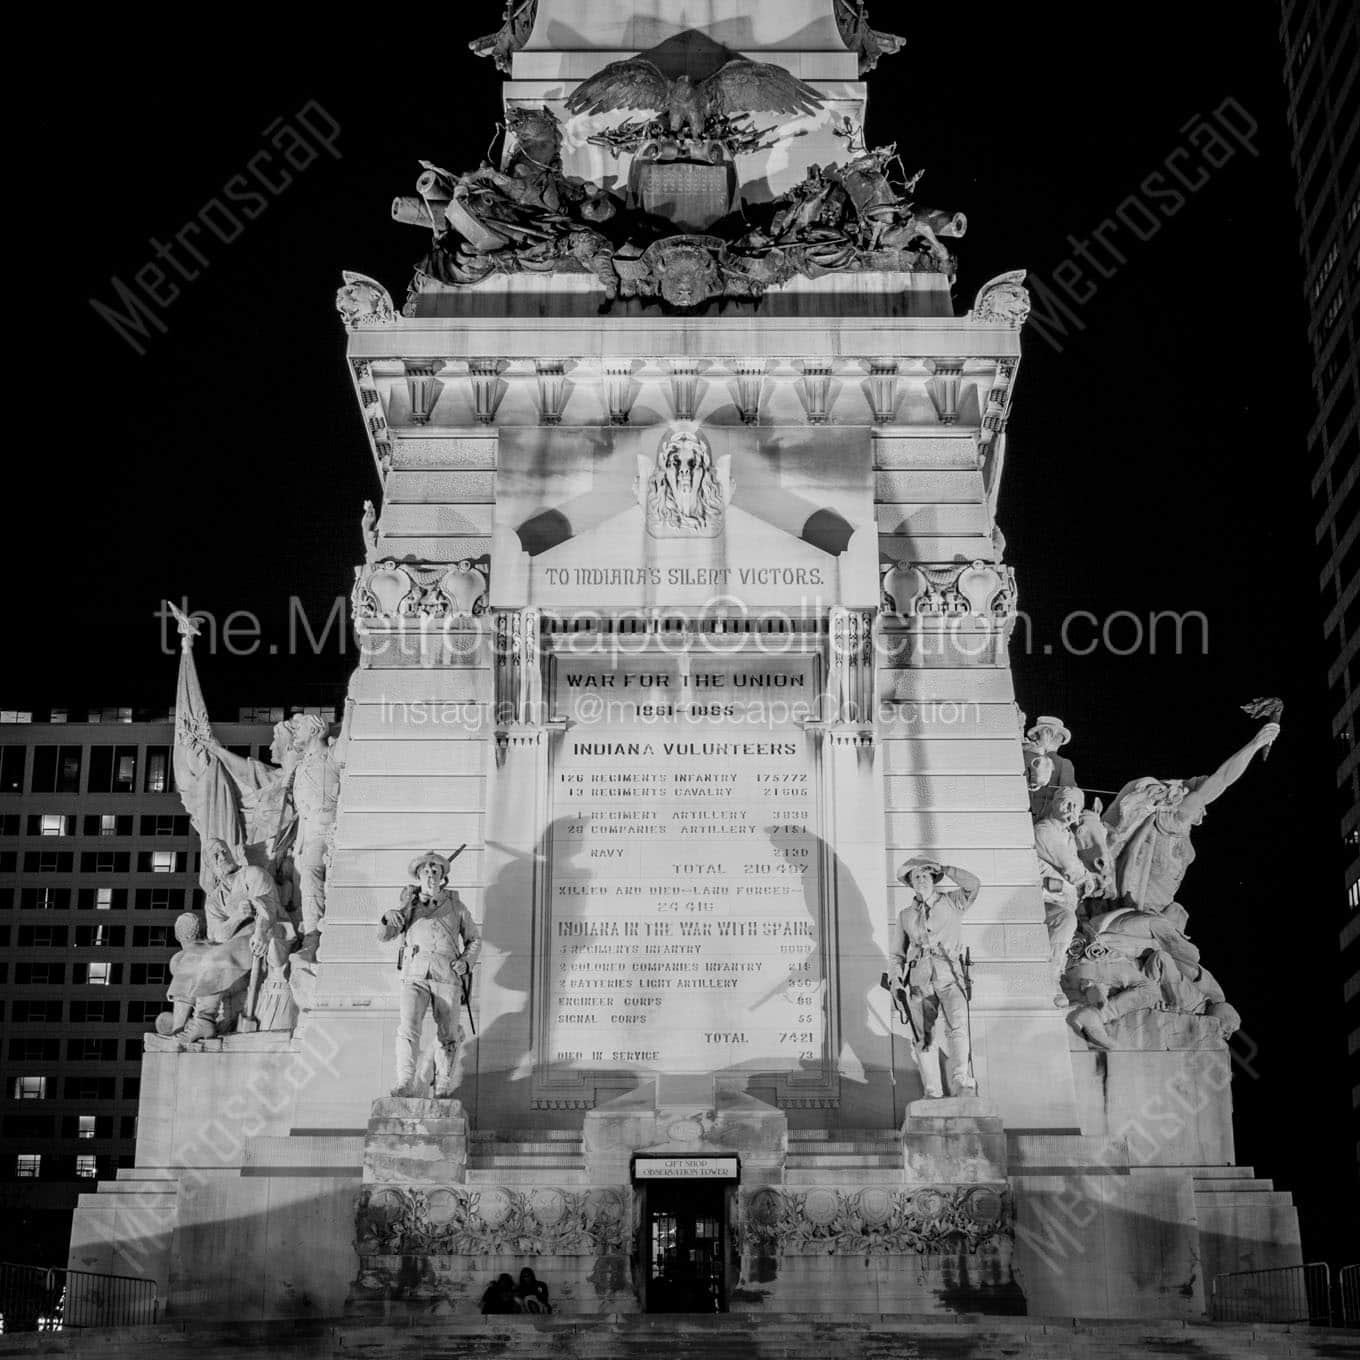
[[683, 613]]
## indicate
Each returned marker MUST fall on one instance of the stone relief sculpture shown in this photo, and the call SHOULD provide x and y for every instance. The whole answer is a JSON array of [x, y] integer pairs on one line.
[[933, 972], [362, 301], [1065, 880], [1045, 770], [238, 977], [689, 108], [686, 494], [440, 945], [1133, 975], [852, 19], [517, 24], [1151, 820], [640, 239], [1004, 299], [368, 527]]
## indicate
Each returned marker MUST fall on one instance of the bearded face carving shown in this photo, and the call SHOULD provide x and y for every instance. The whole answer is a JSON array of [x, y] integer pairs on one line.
[[684, 493]]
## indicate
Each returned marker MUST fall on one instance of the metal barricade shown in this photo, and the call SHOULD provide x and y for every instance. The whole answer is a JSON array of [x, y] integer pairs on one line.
[[33, 1299], [1348, 1295], [1287, 1294]]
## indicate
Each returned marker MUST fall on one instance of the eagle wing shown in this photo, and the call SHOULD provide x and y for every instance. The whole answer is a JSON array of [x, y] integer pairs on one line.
[[630, 84], [743, 86]]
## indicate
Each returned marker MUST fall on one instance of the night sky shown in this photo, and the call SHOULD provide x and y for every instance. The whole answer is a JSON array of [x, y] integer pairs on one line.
[[1156, 460]]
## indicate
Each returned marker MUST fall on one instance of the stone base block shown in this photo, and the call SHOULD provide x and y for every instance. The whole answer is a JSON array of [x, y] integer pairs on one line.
[[958, 1139], [416, 1141], [728, 1120]]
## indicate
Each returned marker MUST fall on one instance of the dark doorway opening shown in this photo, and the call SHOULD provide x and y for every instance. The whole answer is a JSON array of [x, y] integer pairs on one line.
[[684, 1247]]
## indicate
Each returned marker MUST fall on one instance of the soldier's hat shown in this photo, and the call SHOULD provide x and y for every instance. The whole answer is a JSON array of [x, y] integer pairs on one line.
[[920, 862], [429, 857], [1059, 728]]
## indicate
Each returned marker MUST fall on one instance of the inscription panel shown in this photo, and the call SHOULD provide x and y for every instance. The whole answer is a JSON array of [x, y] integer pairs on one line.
[[685, 904]]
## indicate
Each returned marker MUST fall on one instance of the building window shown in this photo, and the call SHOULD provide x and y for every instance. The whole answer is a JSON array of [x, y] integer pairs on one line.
[[98, 972], [150, 974], [30, 1088], [48, 862], [158, 769], [160, 899], [85, 1126], [103, 899], [44, 899], [56, 769], [95, 1012], [92, 1050], [24, 1012], [151, 937], [89, 1088], [162, 861], [144, 1012], [87, 1167], [23, 1048], [42, 937], [40, 974], [113, 769], [53, 824], [28, 1165], [108, 824], [11, 769], [132, 1088]]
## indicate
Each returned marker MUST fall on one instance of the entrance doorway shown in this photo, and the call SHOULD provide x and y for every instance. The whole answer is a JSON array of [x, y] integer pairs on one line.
[[684, 1247]]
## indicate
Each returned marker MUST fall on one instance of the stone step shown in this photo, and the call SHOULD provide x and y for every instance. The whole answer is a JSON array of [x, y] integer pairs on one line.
[[147, 1173], [1224, 1173], [854, 1135], [834, 1164], [490, 1163], [525, 1149], [525, 1136], [736, 1336], [860, 1146], [1225, 1186], [543, 1175]]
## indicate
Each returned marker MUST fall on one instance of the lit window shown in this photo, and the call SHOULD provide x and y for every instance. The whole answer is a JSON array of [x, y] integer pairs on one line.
[[162, 861], [87, 1168], [85, 1126], [108, 824], [28, 1165], [103, 899], [30, 1088], [97, 973], [53, 824]]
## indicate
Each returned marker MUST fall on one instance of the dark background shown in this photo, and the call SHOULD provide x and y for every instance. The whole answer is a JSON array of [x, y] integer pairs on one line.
[[1156, 462]]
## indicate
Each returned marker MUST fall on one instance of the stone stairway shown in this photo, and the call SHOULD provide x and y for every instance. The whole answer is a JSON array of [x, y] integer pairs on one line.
[[526, 1156], [734, 1336], [815, 1156]]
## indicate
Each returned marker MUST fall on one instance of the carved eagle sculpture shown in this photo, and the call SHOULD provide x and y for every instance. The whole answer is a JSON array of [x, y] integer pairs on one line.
[[738, 87]]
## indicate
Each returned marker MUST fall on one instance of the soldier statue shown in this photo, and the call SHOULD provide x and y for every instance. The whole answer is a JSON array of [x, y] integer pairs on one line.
[[440, 944], [933, 972]]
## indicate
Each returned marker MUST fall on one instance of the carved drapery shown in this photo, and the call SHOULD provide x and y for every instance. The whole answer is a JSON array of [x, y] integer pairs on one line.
[[423, 388], [877, 1220], [491, 1220], [943, 388], [552, 390], [816, 384], [850, 666], [519, 667], [883, 378], [949, 590], [487, 388], [750, 380], [391, 592]]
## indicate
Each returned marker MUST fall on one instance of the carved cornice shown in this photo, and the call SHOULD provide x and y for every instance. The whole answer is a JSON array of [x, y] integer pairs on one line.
[[390, 592], [877, 1220], [491, 1220], [949, 590]]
